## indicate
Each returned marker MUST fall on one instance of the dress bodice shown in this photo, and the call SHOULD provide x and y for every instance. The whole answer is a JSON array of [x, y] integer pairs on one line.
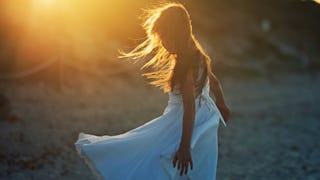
[[175, 98], [175, 95]]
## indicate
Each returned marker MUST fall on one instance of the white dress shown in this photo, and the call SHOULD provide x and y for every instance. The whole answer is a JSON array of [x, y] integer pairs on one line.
[[146, 152]]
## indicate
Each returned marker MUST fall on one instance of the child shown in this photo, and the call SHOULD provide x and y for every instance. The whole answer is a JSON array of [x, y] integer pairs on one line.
[[182, 142]]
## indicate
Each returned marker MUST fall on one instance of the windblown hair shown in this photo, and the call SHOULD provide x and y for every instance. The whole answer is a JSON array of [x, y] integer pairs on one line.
[[171, 22]]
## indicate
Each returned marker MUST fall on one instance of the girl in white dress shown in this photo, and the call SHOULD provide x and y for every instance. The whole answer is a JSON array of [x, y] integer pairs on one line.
[[182, 142]]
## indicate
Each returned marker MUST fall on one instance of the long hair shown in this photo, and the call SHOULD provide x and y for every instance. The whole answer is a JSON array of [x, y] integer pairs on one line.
[[170, 22]]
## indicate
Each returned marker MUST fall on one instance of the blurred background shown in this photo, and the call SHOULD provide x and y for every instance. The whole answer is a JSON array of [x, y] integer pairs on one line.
[[60, 75]]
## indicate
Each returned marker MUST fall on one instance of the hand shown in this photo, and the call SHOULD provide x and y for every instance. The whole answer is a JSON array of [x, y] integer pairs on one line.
[[183, 158], [224, 110]]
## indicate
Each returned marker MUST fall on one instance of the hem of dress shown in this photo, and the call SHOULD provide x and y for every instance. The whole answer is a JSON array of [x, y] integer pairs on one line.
[[223, 122], [220, 116], [88, 162], [167, 158]]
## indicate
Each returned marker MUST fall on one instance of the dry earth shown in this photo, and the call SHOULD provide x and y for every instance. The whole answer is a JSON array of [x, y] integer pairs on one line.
[[273, 134]]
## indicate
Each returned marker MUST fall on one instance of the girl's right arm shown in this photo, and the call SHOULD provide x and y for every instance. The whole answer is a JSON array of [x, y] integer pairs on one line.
[[216, 88]]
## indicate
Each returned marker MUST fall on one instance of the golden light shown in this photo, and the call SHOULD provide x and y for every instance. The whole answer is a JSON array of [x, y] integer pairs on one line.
[[44, 2], [317, 1], [80, 31]]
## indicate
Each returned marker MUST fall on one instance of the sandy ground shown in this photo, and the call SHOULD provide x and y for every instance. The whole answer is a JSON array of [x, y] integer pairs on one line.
[[273, 134], [274, 130]]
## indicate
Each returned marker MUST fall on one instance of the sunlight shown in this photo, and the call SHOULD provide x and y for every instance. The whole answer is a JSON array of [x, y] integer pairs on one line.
[[317, 1], [80, 31], [44, 3]]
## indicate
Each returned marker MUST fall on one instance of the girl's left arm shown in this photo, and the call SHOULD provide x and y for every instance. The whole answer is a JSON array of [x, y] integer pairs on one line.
[[216, 88]]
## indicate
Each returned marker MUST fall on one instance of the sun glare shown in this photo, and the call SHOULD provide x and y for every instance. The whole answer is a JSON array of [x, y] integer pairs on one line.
[[317, 1], [77, 30], [46, 5], [44, 2]]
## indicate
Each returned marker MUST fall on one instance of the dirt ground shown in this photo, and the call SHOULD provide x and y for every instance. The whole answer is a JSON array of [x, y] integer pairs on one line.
[[273, 133]]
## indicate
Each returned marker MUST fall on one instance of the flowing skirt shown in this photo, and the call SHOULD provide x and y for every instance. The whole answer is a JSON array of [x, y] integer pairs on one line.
[[146, 152]]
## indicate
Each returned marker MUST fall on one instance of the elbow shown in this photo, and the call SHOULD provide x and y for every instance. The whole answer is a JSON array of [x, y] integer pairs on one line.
[[214, 82]]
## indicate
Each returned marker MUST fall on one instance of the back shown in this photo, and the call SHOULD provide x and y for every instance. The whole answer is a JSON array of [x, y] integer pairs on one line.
[[201, 69]]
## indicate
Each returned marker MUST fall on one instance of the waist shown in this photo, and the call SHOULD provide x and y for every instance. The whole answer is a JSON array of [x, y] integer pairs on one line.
[[200, 100], [177, 99]]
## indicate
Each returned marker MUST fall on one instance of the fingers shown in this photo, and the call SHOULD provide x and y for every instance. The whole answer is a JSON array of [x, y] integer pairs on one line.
[[227, 116], [186, 167], [182, 168], [183, 165], [226, 113], [175, 161]]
